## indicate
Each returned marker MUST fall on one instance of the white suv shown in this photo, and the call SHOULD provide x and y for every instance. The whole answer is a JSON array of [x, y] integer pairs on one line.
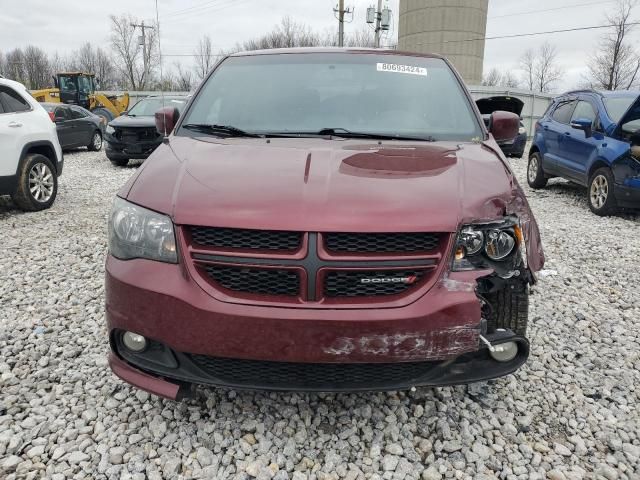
[[30, 154]]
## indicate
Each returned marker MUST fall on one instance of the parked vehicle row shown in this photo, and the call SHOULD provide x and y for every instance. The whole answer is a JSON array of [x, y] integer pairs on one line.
[[76, 126]]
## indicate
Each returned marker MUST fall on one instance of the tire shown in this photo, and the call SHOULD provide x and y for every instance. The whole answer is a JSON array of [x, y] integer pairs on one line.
[[600, 194], [118, 162], [509, 309], [37, 184], [96, 142], [104, 113], [535, 175]]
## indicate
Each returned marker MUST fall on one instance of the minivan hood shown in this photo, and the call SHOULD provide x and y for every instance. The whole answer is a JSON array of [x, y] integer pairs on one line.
[[319, 184], [488, 105]]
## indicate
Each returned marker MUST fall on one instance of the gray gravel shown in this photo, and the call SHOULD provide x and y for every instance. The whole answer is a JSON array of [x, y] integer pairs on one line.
[[570, 413]]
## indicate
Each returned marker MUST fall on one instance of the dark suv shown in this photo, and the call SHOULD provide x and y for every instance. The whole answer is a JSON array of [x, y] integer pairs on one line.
[[322, 219], [593, 139]]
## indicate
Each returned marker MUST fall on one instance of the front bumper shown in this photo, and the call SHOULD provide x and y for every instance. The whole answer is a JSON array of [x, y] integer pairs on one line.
[[139, 150], [628, 196], [516, 147], [438, 333]]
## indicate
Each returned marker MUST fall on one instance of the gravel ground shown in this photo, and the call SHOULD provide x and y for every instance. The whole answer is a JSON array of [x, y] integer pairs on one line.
[[570, 413]]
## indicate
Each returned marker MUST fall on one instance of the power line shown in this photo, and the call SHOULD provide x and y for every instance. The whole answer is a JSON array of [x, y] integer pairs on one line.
[[209, 9], [193, 7], [549, 9], [532, 34]]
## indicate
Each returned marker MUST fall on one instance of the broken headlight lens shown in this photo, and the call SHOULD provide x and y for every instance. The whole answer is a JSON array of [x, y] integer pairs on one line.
[[478, 244], [135, 232]]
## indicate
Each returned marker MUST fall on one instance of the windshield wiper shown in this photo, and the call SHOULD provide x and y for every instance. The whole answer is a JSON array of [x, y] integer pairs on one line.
[[344, 133], [226, 130]]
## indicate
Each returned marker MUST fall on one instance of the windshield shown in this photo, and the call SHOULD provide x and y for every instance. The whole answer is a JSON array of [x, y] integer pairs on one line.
[[147, 107], [366, 93], [616, 106]]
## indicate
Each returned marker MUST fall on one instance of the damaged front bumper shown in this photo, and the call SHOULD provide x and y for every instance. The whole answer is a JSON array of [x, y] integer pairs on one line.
[[170, 374]]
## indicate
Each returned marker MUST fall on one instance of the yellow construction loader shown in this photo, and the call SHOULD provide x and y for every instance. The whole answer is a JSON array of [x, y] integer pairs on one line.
[[79, 88]]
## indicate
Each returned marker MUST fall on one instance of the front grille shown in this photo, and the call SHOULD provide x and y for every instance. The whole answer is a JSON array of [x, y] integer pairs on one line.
[[132, 135], [246, 239], [369, 284], [381, 242], [260, 281], [316, 376]]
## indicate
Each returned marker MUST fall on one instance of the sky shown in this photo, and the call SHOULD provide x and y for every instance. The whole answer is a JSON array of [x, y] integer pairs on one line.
[[65, 24]]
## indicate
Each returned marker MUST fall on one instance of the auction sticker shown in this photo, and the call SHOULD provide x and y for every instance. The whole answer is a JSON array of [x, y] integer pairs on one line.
[[410, 69]]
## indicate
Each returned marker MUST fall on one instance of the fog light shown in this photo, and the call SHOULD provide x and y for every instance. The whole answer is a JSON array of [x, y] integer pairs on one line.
[[504, 352], [134, 342]]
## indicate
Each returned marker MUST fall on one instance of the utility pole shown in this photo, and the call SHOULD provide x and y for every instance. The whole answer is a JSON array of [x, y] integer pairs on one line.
[[143, 41], [381, 18], [340, 10]]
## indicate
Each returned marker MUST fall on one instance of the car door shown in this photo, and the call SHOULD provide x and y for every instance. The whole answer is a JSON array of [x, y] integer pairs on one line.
[[83, 126], [554, 133], [13, 128], [64, 126], [579, 149]]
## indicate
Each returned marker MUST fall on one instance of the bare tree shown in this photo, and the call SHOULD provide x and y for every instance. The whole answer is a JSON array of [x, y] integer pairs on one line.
[[362, 37], [287, 34], [2, 65], [509, 80], [493, 78], [541, 71], [36, 67], [129, 55], [183, 79], [616, 63], [204, 57], [93, 60]]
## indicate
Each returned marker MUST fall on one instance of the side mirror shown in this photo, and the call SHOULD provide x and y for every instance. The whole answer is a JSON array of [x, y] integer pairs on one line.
[[166, 119], [504, 126], [583, 124]]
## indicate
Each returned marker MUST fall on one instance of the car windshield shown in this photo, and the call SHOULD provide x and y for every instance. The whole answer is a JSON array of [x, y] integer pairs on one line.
[[306, 93], [147, 107], [616, 106]]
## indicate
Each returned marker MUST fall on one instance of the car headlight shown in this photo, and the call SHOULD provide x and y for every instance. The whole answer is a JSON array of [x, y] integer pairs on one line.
[[493, 242], [135, 232], [110, 130], [521, 130]]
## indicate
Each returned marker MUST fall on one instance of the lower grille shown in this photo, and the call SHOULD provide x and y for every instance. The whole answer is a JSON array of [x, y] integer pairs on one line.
[[369, 284], [135, 134], [257, 281], [315, 376]]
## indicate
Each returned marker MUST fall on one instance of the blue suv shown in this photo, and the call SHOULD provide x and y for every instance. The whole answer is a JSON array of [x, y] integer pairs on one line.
[[593, 139]]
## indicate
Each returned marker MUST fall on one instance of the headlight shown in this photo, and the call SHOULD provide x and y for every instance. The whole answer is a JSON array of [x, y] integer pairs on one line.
[[521, 130], [492, 242], [110, 130], [135, 232]]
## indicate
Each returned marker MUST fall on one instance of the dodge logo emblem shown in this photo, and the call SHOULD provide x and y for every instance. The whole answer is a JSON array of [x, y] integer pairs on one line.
[[408, 280]]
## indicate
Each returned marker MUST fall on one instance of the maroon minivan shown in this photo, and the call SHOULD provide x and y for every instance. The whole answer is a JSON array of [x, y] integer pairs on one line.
[[322, 219]]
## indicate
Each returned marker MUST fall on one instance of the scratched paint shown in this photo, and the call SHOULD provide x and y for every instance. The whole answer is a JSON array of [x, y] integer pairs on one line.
[[434, 344]]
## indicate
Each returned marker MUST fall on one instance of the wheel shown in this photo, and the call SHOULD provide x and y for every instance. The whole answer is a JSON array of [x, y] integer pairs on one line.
[[509, 309], [535, 174], [96, 142], [118, 162], [104, 113], [600, 196], [37, 184]]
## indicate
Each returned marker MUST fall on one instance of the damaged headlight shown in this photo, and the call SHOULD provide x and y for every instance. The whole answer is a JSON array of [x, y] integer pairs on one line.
[[135, 232], [478, 245]]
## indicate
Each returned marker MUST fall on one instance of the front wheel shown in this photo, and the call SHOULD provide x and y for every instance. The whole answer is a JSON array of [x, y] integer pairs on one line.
[[601, 198], [37, 184], [535, 175], [96, 142]]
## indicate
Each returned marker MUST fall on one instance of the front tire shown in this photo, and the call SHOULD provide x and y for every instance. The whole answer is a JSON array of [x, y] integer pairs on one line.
[[509, 309], [96, 142], [37, 184], [535, 175], [600, 194]]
